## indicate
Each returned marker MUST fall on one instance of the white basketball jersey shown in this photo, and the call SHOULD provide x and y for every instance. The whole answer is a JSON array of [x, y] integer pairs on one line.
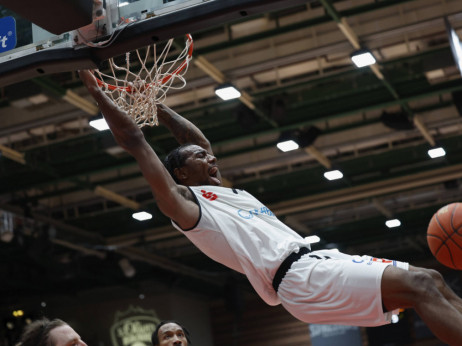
[[238, 231]]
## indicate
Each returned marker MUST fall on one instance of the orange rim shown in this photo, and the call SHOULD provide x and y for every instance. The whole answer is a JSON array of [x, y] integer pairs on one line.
[[164, 80]]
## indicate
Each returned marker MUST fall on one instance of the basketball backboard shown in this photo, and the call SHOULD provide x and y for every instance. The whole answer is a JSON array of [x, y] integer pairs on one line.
[[117, 26], [456, 46]]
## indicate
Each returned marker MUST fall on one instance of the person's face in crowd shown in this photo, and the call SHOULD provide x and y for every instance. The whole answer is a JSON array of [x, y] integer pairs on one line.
[[65, 336], [171, 334]]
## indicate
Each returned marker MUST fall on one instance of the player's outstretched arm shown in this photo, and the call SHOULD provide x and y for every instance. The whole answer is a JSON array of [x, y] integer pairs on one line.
[[182, 129], [175, 201]]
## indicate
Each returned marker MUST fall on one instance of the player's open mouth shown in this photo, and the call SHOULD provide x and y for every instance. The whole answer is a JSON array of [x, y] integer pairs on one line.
[[213, 172]]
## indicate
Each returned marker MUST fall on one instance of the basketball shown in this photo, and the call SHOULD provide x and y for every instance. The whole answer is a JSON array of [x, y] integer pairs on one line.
[[444, 235]]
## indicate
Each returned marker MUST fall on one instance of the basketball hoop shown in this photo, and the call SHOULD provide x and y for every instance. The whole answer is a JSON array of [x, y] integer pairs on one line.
[[139, 92]]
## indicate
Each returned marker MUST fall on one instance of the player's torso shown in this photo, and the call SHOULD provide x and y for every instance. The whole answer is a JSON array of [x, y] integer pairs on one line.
[[237, 230], [250, 228]]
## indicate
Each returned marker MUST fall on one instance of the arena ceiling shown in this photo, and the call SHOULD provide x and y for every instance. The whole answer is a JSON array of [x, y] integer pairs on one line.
[[72, 190]]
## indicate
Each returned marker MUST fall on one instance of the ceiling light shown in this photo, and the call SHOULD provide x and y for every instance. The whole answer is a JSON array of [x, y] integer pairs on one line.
[[333, 175], [436, 152], [99, 124], [363, 58], [393, 223], [227, 92], [288, 141], [294, 139], [142, 216], [312, 239], [288, 145]]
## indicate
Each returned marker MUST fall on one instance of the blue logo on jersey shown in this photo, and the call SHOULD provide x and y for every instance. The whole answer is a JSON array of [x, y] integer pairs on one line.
[[7, 34], [248, 214]]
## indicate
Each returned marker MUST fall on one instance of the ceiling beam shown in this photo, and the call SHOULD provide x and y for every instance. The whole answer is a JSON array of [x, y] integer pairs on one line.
[[302, 25], [355, 42], [370, 190], [424, 130], [49, 170], [206, 66], [320, 157], [67, 95], [12, 154], [380, 207]]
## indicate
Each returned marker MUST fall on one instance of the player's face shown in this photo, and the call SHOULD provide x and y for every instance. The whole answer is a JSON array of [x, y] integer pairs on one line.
[[200, 168], [171, 334], [65, 336]]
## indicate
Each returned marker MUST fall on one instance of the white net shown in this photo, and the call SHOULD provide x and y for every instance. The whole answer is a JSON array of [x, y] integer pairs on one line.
[[143, 81]]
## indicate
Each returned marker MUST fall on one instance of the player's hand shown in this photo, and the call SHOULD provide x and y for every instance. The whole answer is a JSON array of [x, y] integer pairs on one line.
[[164, 113], [162, 107], [88, 79]]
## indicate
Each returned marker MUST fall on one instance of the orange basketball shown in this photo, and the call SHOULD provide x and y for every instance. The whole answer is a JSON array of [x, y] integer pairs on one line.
[[444, 235]]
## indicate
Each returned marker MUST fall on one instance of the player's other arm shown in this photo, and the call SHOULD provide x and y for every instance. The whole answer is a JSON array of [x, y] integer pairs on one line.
[[182, 129], [175, 201]]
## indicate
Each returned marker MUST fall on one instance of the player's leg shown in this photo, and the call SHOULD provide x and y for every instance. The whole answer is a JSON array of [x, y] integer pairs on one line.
[[417, 289], [445, 290]]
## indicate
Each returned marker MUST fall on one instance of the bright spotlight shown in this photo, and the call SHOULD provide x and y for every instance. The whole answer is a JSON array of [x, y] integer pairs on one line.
[[99, 124], [393, 223], [287, 145], [312, 239], [333, 175], [142, 216], [436, 152], [227, 92], [363, 58]]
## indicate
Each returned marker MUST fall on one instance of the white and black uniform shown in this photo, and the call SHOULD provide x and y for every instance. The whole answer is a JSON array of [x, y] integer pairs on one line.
[[238, 231]]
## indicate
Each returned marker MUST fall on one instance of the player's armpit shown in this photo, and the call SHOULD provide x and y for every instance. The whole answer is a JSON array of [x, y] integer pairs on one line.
[[180, 206]]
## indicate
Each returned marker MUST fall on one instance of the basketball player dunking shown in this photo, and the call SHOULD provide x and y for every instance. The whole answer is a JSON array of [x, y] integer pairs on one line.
[[233, 228]]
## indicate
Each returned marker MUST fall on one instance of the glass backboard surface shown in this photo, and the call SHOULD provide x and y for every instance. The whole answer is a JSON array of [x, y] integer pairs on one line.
[[27, 35], [455, 43], [135, 10], [118, 26], [31, 38]]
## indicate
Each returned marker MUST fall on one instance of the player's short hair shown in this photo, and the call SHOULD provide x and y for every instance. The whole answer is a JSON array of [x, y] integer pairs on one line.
[[175, 159], [155, 334], [38, 332]]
